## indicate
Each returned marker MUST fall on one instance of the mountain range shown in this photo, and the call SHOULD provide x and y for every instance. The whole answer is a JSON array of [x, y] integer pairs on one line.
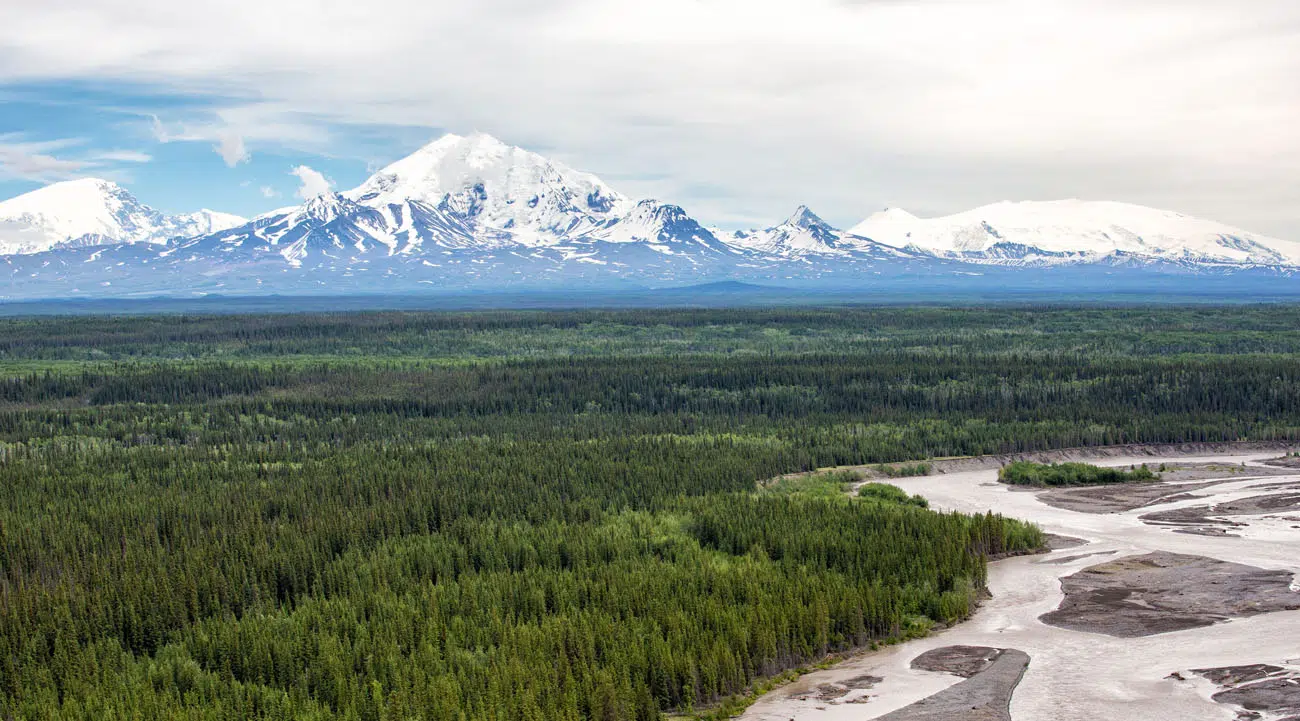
[[475, 214]]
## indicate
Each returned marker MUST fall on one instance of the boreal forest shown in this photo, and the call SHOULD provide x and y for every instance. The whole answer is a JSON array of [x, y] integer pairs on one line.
[[528, 516]]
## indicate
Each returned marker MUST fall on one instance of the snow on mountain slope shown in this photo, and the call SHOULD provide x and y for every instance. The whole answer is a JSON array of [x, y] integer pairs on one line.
[[471, 194], [326, 225], [91, 211], [662, 226], [472, 213], [206, 221], [1072, 231], [496, 188], [800, 234], [805, 235]]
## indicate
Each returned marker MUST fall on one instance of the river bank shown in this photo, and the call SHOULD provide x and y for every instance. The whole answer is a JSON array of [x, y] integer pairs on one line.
[[1078, 674]]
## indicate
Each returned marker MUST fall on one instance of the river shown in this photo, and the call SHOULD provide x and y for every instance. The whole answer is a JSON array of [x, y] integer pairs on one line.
[[1074, 675]]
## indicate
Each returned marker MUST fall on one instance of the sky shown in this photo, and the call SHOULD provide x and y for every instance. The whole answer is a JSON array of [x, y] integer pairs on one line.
[[738, 110]]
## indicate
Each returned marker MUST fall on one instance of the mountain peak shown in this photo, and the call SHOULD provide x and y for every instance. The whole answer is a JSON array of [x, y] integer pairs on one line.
[[495, 187], [100, 183], [804, 218], [327, 206], [91, 211], [80, 190], [896, 215], [477, 151], [480, 139], [802, 234], [476, 138], [650, 221]]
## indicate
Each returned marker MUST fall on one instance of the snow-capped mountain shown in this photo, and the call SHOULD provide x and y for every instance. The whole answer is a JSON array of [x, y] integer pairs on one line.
[[802, 233], [91, 211], [497, 188], [1075, 231], [805, 236], [465, 194], [663, 227], [474, 214], [328, 224]]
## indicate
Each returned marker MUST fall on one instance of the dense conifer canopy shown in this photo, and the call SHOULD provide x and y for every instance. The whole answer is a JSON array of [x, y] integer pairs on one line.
[[537, 515]]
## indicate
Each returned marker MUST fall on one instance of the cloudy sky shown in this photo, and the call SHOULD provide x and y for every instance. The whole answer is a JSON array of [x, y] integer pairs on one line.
[[738, 110]]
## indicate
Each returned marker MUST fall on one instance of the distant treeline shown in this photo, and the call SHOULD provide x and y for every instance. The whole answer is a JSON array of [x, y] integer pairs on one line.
[[1158, 330], [537, 515]]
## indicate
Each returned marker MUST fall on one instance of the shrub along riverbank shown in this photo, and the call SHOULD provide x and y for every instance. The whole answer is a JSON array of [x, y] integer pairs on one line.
[[1026, 473]]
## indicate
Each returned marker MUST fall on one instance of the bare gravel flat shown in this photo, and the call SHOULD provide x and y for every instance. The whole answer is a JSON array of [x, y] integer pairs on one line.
[[984, 696], [1161, 592]]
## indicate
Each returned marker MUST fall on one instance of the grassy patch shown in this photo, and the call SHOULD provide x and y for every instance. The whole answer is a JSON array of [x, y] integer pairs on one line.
[[823, 484], [887, 493]]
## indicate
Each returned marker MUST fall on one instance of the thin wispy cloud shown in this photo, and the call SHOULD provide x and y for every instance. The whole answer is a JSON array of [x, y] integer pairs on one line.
[[23, 164], [47, 161], [124, 156], [227, 143], [232, 129]]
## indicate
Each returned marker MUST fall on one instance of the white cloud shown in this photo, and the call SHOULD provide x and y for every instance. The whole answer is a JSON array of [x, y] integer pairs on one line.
[[313, 183], [935, 105], [269, 192], [230, 146]]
